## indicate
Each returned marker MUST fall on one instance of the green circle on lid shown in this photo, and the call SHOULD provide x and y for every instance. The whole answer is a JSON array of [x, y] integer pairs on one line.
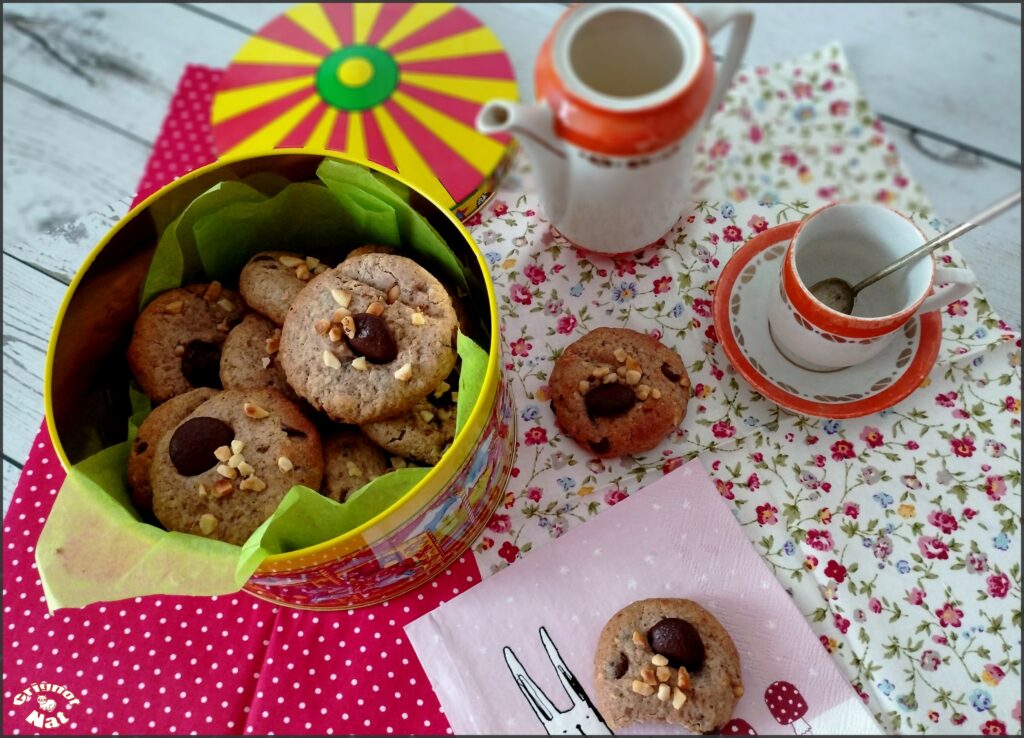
[[357, 77]]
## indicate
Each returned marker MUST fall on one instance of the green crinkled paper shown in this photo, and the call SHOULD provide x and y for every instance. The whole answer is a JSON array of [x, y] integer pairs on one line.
[[94, 546]]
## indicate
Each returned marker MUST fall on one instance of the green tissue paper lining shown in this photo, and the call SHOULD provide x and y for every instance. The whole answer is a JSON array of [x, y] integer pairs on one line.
[[306, 518], [93, 516], [212, 238], [417, 235]]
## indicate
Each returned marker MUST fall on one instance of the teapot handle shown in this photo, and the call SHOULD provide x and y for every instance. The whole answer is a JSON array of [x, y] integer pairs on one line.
[[714, 17]]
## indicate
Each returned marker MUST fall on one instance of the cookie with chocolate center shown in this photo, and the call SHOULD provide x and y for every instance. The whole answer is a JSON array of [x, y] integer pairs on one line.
[[176, 343], [222, 471], [617, 391], [369, 339], [667, 660]]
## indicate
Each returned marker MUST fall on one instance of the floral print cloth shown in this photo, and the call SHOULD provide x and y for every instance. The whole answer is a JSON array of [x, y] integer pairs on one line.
[[897, 534]]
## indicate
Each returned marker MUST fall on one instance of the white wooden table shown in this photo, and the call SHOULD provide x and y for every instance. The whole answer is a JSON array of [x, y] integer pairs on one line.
[[86, 88]]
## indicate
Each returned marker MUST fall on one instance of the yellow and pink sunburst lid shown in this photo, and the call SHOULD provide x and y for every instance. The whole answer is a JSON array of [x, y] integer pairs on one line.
[[399, 84]]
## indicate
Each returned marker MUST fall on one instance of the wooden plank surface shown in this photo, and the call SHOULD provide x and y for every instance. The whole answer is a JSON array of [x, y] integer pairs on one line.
[[31, 299], [86, 87], [1009, 11], [59, 167]]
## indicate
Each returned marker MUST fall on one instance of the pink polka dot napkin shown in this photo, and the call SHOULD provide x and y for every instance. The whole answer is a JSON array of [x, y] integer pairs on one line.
[[200, 665]]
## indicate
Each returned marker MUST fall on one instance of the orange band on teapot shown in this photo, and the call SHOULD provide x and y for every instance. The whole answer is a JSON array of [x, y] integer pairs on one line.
[[622, 132]]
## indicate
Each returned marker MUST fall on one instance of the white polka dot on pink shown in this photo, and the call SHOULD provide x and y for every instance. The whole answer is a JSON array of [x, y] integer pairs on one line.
[[157, 661]]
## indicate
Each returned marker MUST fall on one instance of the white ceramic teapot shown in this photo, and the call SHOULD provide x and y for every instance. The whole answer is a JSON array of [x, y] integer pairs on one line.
[[623, 91]]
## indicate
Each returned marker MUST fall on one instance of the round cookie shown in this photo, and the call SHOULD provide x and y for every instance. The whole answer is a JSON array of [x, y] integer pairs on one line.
[[369, 339], [223, 470], [351, 460], [176, 342], [422, 433], [629, 414], [249, 357], [674, 647], [162, 419], [271, 280]]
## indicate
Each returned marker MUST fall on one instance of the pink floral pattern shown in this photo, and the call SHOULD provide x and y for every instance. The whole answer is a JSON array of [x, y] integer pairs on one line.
[[898, 534]]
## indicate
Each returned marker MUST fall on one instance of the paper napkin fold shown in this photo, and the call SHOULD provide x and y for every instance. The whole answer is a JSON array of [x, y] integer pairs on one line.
[[675, 538]]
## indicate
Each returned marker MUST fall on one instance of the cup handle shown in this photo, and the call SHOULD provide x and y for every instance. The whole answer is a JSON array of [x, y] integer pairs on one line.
[[958, 283], [716, 17]]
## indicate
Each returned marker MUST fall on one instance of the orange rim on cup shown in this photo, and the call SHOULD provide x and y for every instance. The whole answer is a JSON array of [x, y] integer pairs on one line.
[[401, 548], [852, 241]]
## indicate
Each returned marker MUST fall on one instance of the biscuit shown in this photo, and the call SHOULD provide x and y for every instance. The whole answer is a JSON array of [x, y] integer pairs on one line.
[[223, 470], [423, 433], [617, 391], [248, 359], [175, 345], [162, 419], [369, 339], [351, 460], [271, 280], [666, 660]]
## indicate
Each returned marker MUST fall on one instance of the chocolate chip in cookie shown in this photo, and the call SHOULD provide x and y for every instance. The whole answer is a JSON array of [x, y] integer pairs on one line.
[[194, 442]]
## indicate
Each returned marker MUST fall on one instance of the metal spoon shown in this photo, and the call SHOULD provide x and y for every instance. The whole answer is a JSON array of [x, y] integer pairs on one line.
[[837, 293]]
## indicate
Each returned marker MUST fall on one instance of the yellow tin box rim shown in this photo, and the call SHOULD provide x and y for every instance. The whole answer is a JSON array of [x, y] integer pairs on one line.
[[448, 464]]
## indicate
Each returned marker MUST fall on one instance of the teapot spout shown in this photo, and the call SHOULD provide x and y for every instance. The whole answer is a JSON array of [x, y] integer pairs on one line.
[[532, 127]]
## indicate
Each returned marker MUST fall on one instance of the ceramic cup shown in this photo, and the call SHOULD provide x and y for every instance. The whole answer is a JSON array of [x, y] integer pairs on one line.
[[853, 241]]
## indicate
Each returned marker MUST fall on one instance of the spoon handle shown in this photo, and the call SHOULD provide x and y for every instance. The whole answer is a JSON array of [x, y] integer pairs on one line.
[[983, 217]]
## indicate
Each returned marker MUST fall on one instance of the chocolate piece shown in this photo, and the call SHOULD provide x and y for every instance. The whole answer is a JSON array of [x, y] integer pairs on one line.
[[194, 442], [372, 339], [201, 364], [619, 667], [669, 374], [679, 642], [609, 400], [600, 447]]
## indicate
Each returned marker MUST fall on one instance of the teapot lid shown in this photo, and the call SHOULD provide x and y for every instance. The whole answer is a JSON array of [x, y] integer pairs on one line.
[[399, 84], [623, 79]]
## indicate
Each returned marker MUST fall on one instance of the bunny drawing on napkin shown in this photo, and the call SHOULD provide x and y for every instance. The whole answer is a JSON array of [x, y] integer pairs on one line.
[[580, 719]]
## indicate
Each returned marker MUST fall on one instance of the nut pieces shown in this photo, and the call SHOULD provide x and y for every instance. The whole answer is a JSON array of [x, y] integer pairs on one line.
[[404, 374], [657, 679], [642, 688], [254, 411]]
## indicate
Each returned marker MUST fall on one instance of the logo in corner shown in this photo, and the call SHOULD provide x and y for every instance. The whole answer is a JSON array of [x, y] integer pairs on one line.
[[49, 704]]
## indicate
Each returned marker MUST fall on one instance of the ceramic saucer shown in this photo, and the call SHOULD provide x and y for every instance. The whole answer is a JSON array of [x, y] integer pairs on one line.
[[741, 321]]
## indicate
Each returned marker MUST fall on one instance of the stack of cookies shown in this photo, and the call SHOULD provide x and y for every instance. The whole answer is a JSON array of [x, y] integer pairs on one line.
[[307, 375]]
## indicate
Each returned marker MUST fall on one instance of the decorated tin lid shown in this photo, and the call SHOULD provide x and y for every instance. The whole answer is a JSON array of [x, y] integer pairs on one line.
[[399, 84]]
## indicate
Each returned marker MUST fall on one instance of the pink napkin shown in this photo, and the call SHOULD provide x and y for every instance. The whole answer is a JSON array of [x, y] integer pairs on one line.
[[208, 665], [675, 538]]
